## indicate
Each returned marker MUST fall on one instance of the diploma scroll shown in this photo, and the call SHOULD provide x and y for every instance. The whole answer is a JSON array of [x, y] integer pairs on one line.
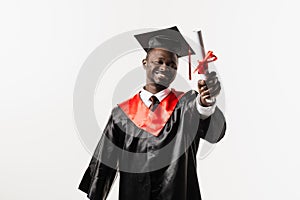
[[202, 67]]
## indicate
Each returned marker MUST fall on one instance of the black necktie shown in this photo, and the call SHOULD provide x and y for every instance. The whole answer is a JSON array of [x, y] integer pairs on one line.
[[154, 103]]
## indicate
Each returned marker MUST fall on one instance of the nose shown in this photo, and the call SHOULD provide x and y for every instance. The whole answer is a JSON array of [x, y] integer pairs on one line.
[[164, 67]]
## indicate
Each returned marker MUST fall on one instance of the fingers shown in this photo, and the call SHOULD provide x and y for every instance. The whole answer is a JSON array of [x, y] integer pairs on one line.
[[206, 97], [211, 92], [211, 74], [211, 78], [210, 87], [215, 91], [201, 83], [203, 88]]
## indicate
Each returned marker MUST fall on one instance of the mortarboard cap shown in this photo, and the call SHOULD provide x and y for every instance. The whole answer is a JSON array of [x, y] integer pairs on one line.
[[170, 39]]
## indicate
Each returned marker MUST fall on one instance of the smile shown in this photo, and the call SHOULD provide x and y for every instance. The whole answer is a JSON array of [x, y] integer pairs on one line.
[[161, 75]]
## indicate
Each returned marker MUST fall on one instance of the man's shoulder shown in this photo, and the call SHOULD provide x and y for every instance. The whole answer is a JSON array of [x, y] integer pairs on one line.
[[177, 93], [130, 100], [185, 96]]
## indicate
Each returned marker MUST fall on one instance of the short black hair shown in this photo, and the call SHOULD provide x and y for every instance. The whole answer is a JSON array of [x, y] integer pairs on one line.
[[149, 51]]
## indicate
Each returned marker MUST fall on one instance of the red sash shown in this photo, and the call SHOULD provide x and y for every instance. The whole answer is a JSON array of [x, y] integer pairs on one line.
[[144, 118]]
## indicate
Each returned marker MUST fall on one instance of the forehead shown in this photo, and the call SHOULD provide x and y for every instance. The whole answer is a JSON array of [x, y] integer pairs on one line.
[[161, 53]]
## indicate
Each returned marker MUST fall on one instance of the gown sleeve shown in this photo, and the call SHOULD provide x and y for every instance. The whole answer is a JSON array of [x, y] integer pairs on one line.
[[212, 128], [99, 177]]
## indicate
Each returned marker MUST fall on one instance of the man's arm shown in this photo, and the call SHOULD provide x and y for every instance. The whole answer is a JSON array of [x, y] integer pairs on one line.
[[204, 111], [99, 177], [212, 120], [212, 129]]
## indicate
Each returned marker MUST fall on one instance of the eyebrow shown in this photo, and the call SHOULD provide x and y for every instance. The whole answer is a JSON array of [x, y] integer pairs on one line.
[[163, 58], [172, 61]]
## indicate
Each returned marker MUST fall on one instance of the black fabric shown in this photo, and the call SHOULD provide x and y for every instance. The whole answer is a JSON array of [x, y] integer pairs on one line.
[[154, 104], [177, 179], [169, 38]]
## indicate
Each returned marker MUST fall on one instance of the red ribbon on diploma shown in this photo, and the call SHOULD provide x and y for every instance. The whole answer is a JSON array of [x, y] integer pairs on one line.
[[202, 66]]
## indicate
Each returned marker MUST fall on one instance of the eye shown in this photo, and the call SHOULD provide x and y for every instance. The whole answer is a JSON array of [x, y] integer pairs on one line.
[[174, 67], [158, 62]]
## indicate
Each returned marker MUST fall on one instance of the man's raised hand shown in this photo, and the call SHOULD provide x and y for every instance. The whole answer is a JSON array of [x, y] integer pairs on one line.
[[209, 88]]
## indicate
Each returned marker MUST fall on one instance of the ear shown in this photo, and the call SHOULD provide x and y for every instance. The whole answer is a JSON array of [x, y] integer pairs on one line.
[[144, 61]]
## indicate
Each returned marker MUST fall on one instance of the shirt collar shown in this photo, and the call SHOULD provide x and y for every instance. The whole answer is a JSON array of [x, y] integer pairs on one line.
[[145, 95]]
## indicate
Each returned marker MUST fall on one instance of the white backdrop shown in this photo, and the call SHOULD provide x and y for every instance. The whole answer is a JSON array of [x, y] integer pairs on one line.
[[43, 45]]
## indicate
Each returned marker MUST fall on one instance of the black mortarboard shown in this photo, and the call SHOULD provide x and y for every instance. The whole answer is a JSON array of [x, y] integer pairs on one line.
[[169, 39]]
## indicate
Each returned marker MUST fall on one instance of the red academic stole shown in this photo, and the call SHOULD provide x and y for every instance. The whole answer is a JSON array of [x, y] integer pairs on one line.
[[144, 118]]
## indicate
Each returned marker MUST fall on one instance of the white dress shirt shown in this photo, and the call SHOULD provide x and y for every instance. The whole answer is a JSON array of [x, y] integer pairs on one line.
[[203, 111]]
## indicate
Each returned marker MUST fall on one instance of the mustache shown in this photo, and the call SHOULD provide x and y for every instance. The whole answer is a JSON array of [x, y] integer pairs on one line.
[[164, 73], [167, 72]]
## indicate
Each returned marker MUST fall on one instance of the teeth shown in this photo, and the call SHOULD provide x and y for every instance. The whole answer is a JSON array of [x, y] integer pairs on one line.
[[161, 75]]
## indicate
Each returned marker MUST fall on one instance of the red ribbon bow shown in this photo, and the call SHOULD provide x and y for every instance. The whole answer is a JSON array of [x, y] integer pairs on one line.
[[202, 66]]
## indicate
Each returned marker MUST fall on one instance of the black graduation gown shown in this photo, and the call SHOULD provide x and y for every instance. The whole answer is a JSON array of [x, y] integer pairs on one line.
[[168, 170]]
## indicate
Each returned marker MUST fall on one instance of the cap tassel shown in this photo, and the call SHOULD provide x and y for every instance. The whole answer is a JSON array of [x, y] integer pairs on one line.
[[190, 65]]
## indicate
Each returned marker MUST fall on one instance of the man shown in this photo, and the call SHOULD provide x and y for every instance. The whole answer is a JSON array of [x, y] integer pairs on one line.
[[153, 137]]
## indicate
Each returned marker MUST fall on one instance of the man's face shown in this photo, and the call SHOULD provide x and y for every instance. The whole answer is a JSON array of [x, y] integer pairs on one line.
[[161, 67]]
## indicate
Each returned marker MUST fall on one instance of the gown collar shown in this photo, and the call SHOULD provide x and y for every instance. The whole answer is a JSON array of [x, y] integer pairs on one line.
[[151, 121], [145, 95]]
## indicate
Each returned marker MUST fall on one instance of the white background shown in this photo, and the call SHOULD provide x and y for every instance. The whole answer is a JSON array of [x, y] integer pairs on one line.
[[44, 43]]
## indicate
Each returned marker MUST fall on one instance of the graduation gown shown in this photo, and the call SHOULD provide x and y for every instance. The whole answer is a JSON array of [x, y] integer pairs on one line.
[[154, 152]]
